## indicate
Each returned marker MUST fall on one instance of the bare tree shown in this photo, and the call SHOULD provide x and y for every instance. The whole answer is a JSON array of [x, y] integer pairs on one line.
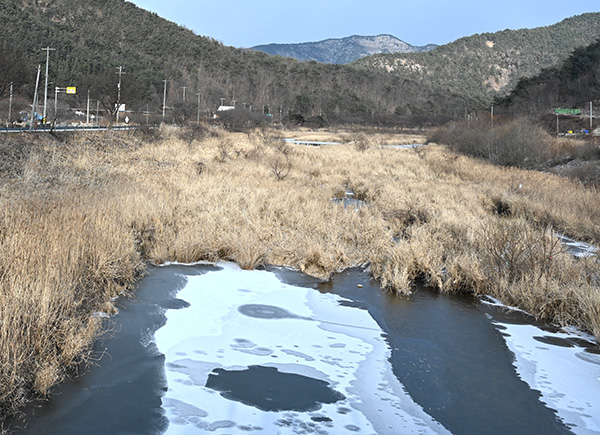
[[103, 87]]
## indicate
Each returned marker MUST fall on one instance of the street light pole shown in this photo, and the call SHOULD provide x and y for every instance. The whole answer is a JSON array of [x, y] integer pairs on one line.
[[55, 103]]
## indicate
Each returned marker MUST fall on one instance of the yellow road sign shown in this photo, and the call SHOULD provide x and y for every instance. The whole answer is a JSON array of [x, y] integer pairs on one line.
[[71, 90]]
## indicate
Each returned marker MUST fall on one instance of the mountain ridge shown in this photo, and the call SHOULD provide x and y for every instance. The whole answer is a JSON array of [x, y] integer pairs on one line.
[[491, 63], [342, 50]]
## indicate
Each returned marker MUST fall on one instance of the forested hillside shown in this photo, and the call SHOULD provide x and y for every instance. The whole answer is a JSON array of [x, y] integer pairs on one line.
[[92, 38], [573, 84], [490, 64]]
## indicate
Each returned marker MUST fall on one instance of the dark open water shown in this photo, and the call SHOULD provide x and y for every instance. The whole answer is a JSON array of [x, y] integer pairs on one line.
[[446, 351]]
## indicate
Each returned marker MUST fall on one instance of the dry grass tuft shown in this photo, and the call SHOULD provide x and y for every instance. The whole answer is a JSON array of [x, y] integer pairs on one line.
[[79, 218]]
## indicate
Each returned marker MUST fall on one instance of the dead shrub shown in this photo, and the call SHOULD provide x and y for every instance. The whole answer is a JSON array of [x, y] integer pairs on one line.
[[587, 172], [224, 150], [268, 136], [514, 249], [148, 134], [280, 166], [402, 218], [500, 206], [195, 133], [361, 141]]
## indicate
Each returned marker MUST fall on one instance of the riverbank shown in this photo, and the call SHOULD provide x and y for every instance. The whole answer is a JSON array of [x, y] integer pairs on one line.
[[82, 214]]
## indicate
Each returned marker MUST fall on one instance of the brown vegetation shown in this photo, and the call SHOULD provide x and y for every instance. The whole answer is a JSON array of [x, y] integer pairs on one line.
[[524, 144], [81, 214]]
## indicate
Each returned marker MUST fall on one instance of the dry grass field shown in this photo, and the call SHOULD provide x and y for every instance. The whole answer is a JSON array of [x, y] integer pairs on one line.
[[81, 215]]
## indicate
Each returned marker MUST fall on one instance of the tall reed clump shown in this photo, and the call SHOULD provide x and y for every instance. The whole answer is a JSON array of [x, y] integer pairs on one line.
[[80, 216], [527, 266], [59, 264]]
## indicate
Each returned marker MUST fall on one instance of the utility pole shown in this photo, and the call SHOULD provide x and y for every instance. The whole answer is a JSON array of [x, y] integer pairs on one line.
[[87, 118], [97, 112], [164, 100], [184, 88], [55, 103], [233, 102], [591, 117], [33, 106], [120, 72], [47, 50], [222, 101]]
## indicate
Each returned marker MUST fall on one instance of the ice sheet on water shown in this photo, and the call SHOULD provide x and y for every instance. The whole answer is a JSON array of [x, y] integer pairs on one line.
[[318, 338], [578, 249], [567, 376], [494, 302]]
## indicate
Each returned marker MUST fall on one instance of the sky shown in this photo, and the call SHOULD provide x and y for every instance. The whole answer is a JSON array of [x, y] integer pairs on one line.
[[246, 23]]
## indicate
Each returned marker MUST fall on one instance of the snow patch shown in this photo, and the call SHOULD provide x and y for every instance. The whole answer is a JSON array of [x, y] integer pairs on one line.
[[317, 338], [566, 375]]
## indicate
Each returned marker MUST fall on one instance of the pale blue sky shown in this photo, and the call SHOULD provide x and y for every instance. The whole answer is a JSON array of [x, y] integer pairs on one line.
[[245, 23]]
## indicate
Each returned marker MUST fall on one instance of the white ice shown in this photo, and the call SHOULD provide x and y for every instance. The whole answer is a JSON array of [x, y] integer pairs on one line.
[[327, 341], [568, 378], [578, 249]]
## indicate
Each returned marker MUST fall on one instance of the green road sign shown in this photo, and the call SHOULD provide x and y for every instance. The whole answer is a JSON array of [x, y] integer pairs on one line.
[[568, 111]]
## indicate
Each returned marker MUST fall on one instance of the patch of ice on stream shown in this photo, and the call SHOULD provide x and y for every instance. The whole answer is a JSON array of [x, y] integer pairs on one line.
[[578, 249], [567, 376], [493, 302], [240, 319]]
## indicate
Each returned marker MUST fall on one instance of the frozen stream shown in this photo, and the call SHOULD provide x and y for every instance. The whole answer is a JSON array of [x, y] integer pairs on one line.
[[214, 349]]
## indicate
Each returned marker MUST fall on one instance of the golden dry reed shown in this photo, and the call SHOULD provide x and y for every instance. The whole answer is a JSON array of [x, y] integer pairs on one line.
[[81, 216]]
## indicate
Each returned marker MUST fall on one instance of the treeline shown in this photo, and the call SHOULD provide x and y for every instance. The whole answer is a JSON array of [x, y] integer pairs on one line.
[[93, 38]]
